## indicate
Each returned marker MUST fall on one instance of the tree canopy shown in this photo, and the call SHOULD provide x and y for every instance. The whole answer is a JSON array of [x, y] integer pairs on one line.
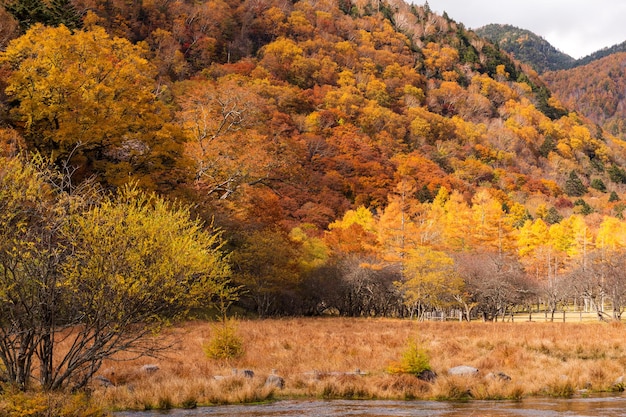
[[100, 271]]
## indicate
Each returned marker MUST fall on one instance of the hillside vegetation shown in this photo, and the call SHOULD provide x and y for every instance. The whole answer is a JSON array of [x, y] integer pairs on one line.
[[527, 47], [532, 49], [360, 158], [593, 85], [595, 90]]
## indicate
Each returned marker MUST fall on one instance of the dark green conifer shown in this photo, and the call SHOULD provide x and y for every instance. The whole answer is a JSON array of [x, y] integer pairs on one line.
[[553, 216], [28, 12], [574, 187], [598, 184], [63, 12], [583, 207]]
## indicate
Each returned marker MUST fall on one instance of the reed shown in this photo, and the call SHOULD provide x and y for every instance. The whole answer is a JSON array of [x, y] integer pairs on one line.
[[319, 358]]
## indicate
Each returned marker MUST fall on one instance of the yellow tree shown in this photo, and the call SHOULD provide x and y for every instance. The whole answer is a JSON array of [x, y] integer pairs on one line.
[[490, 230], [605, 273], [286, 61], [438, 59], [137, 261], [611, 235], [93, 97], [540, 248], [314, 252], [533, 246], [31, 250], [572, 239], [431, 281], [398, 231], [96, 272], [457, 226], [354, 234]]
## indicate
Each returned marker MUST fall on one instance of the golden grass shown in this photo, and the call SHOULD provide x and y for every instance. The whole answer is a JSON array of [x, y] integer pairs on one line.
[[318, 357]]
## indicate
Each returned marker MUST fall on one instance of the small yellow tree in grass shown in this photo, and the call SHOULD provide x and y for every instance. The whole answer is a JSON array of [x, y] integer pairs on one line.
[[225, 343], [415, 361]]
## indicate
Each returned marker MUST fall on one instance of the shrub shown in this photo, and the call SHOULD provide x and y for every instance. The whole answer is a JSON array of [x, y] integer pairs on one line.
[[189, 403], [225, 343], [164, 403], [15, 403], [414, 361]]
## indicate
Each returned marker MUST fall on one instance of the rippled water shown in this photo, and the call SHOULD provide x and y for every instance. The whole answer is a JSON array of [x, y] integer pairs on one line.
[[604, 406]]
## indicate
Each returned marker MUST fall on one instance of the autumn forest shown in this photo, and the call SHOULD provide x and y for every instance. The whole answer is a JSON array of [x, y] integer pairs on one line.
[[356, 158]]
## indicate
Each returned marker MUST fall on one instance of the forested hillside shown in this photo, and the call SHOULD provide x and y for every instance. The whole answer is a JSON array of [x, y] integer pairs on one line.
[[527, 47], [593, 85], [360, 157], [535, 51], [596, 90]]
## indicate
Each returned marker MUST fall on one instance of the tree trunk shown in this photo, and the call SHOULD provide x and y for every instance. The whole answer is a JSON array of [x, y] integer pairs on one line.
[[46, 350]]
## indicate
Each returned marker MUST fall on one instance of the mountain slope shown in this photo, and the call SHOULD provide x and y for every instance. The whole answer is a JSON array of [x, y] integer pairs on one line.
[[329, 98], [527, 47], [597, 90], [339, 145]]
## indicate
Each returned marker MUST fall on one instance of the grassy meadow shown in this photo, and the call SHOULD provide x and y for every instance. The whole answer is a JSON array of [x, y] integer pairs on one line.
[[318, 358]]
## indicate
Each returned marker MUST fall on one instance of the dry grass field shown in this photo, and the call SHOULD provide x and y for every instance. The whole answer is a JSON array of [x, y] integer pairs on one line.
[[318, 358]]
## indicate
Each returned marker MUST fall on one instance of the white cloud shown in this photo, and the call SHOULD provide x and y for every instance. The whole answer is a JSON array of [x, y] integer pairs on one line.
[[576, 27]]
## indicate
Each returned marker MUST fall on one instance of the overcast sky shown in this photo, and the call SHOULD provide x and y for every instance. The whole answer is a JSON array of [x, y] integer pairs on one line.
[[576, 27]]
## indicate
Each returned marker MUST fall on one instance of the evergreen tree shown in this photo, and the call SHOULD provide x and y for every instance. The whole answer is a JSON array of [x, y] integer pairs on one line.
[[583, 207], [28, 12], [547, 146], [598, 184], [617, 174], [553, 216], [63, 12], [574, 187], [58, 12]]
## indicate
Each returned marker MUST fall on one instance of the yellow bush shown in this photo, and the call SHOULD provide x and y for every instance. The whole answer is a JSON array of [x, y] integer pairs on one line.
[[225, 343], [414, 361]]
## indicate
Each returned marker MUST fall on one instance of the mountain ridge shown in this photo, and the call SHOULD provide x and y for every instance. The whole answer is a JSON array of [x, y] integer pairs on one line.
[[537, 52], [526, 46]]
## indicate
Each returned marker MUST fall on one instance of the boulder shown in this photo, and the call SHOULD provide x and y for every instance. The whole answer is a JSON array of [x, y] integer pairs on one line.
[[150, 368], [275, 381], [427, 375], [463, 370], [105, 382], [618, 384], [246, 373], [501, 376]]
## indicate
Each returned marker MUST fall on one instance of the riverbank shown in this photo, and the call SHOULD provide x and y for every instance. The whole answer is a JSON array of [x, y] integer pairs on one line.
[[319, 358]]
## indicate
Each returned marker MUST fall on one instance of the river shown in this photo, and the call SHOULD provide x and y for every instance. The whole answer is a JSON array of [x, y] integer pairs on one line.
[[533, 407]]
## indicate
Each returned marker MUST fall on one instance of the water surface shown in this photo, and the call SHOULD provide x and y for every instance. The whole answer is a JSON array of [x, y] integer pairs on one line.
[[535, 407]]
